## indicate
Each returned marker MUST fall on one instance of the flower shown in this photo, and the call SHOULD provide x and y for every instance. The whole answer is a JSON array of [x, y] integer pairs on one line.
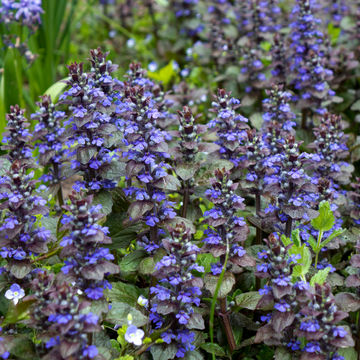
[[15, 293], [143, 301], [90, 351], [134, 335]]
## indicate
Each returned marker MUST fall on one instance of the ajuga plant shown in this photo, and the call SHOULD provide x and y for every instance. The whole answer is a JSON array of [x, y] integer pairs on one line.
[[91, 124], [146, 152], [319, 326], [307, 63], [185, 154], [48, 134], [178, 291], [16, 137], [287, 187], [278, 60], [277, 108], [87, 261], [230, 127], [22, 235], [330, 149], [70, 326], [284, 288], [224, 233]]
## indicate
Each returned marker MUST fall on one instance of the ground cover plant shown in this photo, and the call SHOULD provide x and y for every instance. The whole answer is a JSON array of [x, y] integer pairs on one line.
[[180, 179]]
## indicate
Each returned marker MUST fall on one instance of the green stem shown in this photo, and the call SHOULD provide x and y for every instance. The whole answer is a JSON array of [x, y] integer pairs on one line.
[[19, 65], [212, 310], [318, 248]]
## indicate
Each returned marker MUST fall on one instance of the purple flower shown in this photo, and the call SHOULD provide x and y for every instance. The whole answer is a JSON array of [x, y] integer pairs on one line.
[[339, 332], [312, 347], [183, 317], [281, 306], [90, 351]]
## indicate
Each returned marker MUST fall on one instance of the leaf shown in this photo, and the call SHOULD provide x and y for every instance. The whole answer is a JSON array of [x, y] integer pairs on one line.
[[320, 277], [282, 353], [122, 292], [164, 351], [185, 170], [355, 106], [23, 348], [56, 90], [103, 197], [84, 154], [348, 353], [114, 170], [248, 300], [302, 270], [12, 95], [210, 282], [296, 237], [165, 74], [147, 266], [178, 220], [120, 311], [312, 243], [325, 221], [217, 349], [207, 169], [132, 261], [121, 234], [333, 235], [256, 120], [285, 240], [120, 201], [347, 301], [139, 208], [17, 312]]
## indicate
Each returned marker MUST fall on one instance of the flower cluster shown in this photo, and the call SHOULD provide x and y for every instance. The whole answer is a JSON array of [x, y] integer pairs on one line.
[[278, 60], [190, 141], [307, 63], [229, 126], [178, 291], [87, 262], [49, 134], [70, 326], [278, 268], [25, 11], [277, 108], [291, 186], [330, 148], [22, 234], [319, 327], [16, 137], [226, 230], [92, 123], [146, 150], [185, 11]]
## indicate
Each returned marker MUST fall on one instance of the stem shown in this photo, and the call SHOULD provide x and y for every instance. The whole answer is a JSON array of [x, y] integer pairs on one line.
[[57, 176], [259, 235], [19, 65], [186, 198], [46, 256], [304, 118], [227, 325], [318, 247], [288, 227]]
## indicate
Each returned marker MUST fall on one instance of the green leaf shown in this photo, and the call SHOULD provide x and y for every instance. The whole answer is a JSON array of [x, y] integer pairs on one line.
[[23, 348], [320, 277], [165, 74], [348, 353], [147, 266], [312, 243], [56, 90], [256, 120], [122, 292], [121, 234], [164, 351], [103, 197], [120, 311], [218, 350], [325, 221], [132, 261], [282, 353], [17, 312], [296, 237], [332, 236], [285, 240], [185, 170], [302, 270], [248, 300], [120, 201], [11, 85], [211, 282]]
